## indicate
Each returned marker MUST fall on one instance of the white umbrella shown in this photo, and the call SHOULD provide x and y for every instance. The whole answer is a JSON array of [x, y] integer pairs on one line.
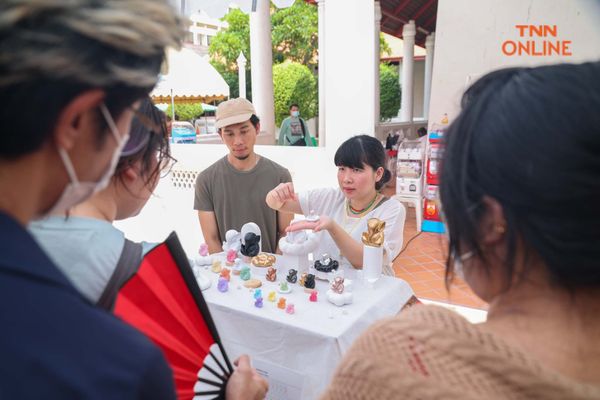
[[189, 79]]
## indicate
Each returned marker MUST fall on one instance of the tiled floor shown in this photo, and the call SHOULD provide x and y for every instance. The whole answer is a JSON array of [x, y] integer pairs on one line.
[[421, 264]]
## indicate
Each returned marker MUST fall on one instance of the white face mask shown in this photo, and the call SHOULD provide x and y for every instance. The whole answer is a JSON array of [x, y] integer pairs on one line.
[[76, 191], [295, 114]]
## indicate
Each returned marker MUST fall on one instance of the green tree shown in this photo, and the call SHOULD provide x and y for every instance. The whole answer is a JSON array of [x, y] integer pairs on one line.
[[389, 92], [186, 112], [294, 83], [384, 47], [295, 34], [294, 37]]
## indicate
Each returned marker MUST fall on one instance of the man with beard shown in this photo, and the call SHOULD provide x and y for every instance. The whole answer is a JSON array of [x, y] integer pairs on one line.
[[232, 191]]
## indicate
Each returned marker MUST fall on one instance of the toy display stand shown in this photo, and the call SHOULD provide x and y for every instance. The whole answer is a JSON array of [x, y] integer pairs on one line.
[[409, 175]]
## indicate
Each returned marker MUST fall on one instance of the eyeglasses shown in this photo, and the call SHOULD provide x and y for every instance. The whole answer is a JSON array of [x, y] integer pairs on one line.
[[166, 164]]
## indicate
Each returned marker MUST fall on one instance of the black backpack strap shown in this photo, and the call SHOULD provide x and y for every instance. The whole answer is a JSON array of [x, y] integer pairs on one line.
[[128, 264], [302, 126]]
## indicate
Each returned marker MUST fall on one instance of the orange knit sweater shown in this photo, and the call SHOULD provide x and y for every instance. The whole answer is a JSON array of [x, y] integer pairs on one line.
[[429, 352]]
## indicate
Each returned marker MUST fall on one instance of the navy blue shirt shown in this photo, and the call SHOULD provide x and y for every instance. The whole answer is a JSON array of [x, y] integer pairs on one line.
[[54, 344]]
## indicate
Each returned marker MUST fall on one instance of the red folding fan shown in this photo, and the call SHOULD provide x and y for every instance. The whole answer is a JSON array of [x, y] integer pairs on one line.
[[163, 301]]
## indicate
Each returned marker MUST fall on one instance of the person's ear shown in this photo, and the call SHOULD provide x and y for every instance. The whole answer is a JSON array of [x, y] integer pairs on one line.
[[257, 128], [75, 117], [492, 225], [379, 174]]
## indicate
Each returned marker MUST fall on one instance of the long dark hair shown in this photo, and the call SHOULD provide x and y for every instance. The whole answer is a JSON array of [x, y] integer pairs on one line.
[[530, 139], [148, 139], [363, 149]]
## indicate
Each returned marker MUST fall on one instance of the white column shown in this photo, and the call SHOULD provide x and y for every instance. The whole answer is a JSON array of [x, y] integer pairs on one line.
[[429, 47], [350, 66], [321, 72], [262, 67], [377, 60], [408, 63], [241, 62]]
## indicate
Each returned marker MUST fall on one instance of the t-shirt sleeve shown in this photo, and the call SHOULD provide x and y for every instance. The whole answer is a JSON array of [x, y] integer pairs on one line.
[[202, 198], [394, 216], [318, 200], [157, 381], [285, 176]]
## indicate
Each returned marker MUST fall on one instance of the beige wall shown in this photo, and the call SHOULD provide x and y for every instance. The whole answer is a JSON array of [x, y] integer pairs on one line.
[[470, 34]]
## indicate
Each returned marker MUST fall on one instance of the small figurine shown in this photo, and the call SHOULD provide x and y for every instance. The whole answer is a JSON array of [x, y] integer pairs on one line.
[[292, 276], [271, 274], [290, 309], [309, 282], [216, 266], [203, 251], [245, 273], [284, 287], [231, 256], [253, 283], [302, 279], [281, 303], [313, 296], [237, 266], [257, 293], [203, 281], [326, 264], [263, 260], [226, 274], [340, 292], [250, 245], [203, 258], [233, 240], [312, 216], [272, 296], [338, 285], [223, 285], [258, 303], [374, 235]]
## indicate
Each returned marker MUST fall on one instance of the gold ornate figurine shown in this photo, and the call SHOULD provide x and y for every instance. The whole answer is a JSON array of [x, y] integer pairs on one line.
[[374, 235]]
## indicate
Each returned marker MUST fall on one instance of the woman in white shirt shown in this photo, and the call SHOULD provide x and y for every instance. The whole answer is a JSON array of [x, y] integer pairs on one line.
[[344, 211]]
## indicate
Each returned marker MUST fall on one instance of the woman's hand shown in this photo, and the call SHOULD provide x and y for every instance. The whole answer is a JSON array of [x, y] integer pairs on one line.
[[324, 223], [245, 382], [277, 197]]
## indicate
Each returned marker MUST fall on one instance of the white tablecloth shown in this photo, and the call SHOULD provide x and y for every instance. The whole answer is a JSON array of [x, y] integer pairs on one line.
[[298, 352]]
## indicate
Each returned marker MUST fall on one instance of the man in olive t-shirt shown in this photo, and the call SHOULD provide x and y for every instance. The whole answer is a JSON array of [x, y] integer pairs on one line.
[[232, 191]]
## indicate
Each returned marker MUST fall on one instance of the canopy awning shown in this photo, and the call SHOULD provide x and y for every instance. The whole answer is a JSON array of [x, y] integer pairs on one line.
[[189, 79]]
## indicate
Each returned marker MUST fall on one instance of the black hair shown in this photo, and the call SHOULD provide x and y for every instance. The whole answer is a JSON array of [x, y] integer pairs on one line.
[[294, 105], [529, 138], [149, 125], [421, 132], [360, 150], [254, 120]]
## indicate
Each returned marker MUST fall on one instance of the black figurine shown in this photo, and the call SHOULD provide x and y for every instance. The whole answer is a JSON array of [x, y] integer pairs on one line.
[[292, 276], [326, 264], [309, 282], [251, 247]]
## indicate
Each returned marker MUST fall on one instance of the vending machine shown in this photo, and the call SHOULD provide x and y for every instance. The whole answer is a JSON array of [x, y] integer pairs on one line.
[[432, 221]]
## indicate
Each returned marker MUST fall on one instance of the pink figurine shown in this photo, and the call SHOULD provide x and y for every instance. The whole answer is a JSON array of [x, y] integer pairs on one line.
[[290, 309], [231, 256], [203, 250], [313, 296]]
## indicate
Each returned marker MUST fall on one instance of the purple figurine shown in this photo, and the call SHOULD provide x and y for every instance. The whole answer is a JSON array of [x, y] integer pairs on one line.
[[223, 285], [259, 302]]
